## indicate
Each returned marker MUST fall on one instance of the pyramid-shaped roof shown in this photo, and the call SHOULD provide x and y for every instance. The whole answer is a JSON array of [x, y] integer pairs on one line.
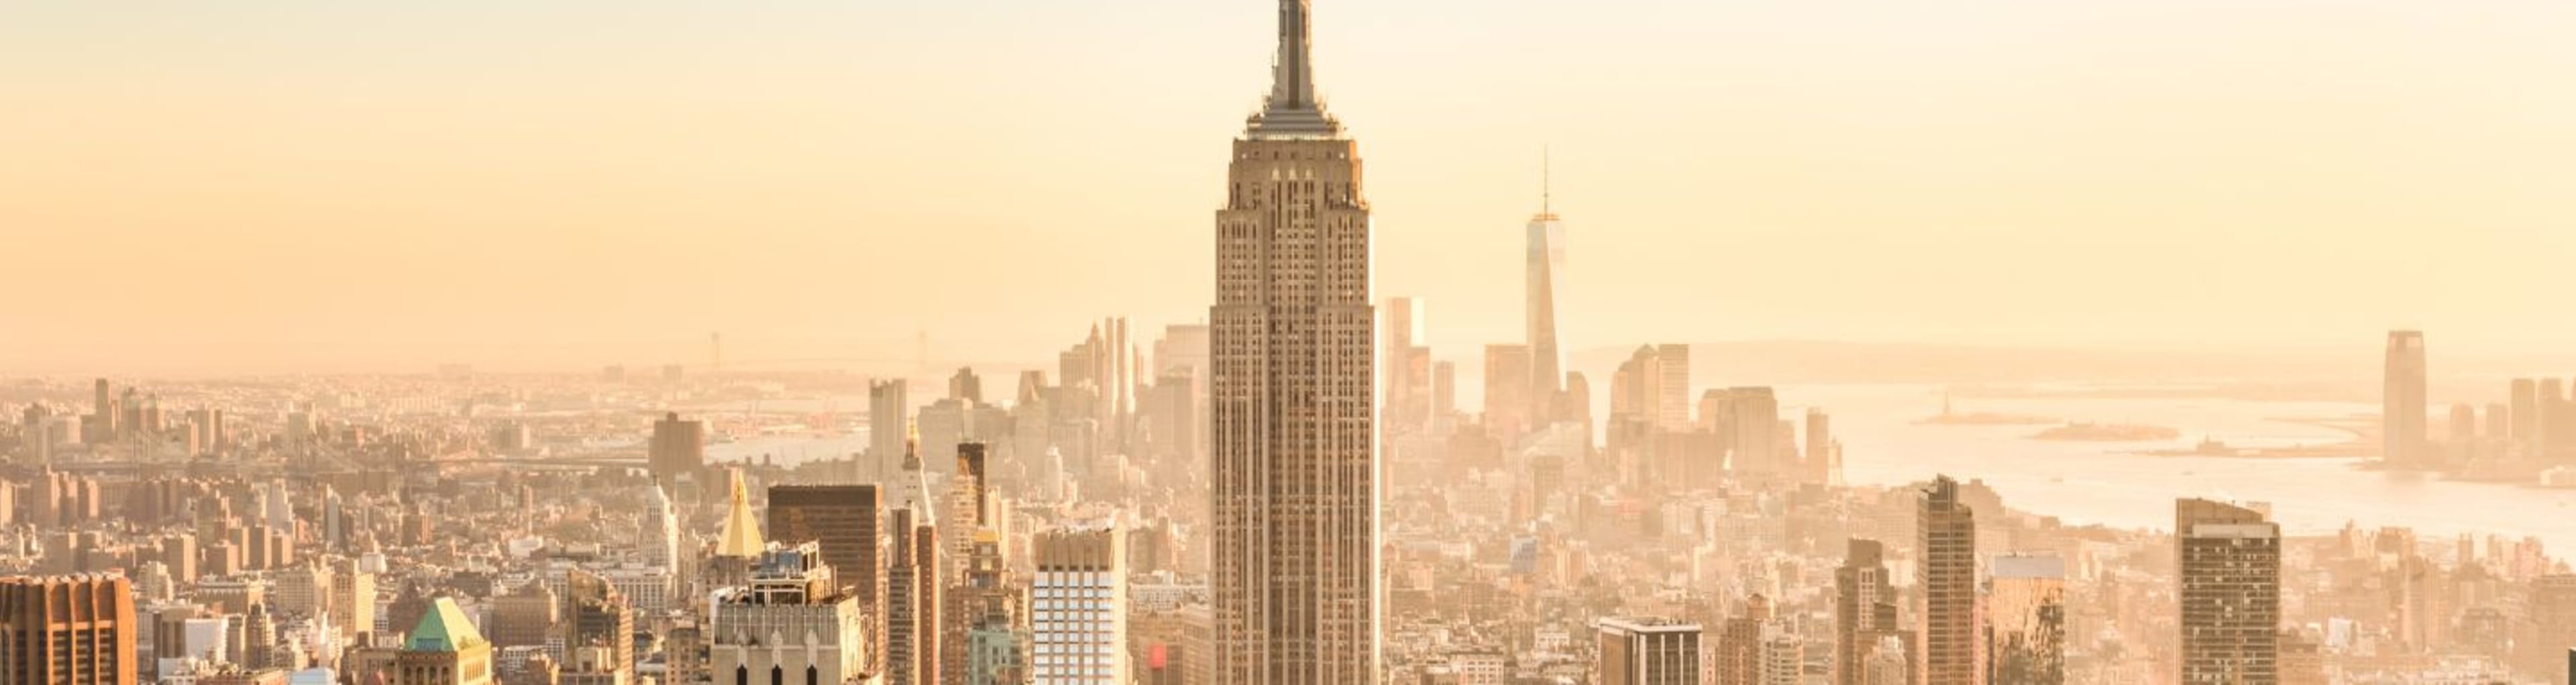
[[444, 628], [741, 535]]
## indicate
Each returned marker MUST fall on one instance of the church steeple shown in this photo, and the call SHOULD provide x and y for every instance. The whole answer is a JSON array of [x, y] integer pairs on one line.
[[1293, 110]]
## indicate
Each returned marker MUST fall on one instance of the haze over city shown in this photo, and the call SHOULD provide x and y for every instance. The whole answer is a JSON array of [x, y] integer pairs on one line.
[[389, 186], [1287, 342]]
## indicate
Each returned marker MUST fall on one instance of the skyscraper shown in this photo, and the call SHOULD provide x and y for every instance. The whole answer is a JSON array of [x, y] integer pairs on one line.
[[353, 597], [2025, 632], [1407, 370], [2402, 402], [69, 630], [2230, 596], [912, 600], [1824, 456], [1672, 386], [679, 448], [969, 500], [1739, 644], [599, 632], [843, 521], [989, 611], [1079, 602], [887, 408], [1752, 432], [1649, 652], [1864, 611], [1295, 544], [1508, 392], [1946, 569], [1546, 287], [657, 533]]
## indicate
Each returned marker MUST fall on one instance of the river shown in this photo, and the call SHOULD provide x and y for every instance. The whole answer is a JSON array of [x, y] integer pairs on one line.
[[2093, 482]]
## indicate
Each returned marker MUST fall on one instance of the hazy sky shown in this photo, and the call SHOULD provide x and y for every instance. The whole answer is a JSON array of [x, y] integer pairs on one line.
[[336, 184]]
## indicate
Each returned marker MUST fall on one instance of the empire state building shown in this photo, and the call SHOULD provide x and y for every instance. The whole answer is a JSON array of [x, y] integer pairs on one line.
[[1293, 393]]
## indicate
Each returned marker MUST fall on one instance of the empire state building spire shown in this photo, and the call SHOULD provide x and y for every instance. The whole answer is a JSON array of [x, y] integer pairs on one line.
[[1292, 390], [1293, 81], [1293, 111]]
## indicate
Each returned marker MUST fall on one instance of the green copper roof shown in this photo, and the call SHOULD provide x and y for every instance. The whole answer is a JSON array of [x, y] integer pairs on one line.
[[444, 628]]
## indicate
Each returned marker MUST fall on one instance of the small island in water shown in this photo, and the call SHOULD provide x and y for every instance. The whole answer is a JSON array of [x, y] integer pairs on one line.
[[2106, 432], [1952, 418]]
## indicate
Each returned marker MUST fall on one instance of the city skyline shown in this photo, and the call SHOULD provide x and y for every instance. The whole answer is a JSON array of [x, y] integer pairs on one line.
[[2096, 240], [1815, 111]]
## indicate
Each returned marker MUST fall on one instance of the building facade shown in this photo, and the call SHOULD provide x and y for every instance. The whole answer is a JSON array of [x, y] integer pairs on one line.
[[1946, 578], [1078, 607], [1649, 652], [2402, 401], [2230, 593], [793, 623], [68, 630], [1293, 394]]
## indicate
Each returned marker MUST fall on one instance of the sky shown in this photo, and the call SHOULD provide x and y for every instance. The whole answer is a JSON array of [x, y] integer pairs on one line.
[[308, 186]]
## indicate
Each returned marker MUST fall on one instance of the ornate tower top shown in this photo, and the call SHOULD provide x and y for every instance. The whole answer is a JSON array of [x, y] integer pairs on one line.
[[1293, 110]]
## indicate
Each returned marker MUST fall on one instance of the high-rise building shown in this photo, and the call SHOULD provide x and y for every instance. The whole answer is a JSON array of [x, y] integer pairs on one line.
[[2551, 625], [302, 590], [1649, 652], [1824, 456], [2025, 631], [1545, 280], [2526, 410], [2402, 401], [1672, 387], [2463, 427], [679, 448], [1740, 643], [1078, 606], [912, 599], [967, 516], [353, 597], [1864, 612], [1295, 514], [989, 610], [965, 386], [1946, 578], [443, 649], [2230, 596], [35, 436], [1406, 374], [657, 533], [887, 409], [68, 630], [1753, 434], [1444, 388], [101, 424], [843, 520], [1784, 656], [598, 632], [790, 592], [524, 618], [2551, 427], [1508, 393]]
